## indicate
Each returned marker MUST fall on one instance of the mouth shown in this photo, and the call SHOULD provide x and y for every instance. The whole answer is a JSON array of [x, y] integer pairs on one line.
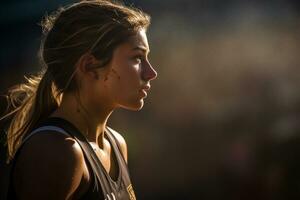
[[144, 90], [143, 93], [146, 87]]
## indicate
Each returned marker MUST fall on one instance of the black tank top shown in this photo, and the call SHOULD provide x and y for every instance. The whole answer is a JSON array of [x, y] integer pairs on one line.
[[102, 186]]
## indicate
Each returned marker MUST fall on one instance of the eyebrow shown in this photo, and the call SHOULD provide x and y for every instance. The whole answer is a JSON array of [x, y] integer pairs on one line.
[[142, 48]]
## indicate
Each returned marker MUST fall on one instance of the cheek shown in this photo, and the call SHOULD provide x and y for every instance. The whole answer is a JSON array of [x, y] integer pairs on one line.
[[124, 82]]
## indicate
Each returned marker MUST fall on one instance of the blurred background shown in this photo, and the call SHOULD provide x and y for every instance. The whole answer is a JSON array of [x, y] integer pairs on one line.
[[222, 118]]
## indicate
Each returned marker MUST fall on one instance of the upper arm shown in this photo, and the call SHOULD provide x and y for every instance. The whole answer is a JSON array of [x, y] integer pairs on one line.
[[122, 143], [49, 166]]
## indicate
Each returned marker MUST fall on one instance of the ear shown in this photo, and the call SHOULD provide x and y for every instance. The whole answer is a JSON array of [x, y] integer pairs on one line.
[[87, 65]]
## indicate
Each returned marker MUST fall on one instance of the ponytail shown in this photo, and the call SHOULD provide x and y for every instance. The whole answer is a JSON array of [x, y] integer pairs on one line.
[[28, 103]]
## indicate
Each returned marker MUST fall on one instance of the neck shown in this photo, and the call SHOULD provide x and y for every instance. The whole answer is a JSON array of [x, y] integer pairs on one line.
[[91, 124]]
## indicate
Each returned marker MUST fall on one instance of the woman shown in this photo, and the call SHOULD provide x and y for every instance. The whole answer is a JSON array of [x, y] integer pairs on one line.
[[95, 56]]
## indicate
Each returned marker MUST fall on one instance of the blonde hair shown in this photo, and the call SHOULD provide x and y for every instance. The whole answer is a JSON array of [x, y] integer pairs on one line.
[[96, 26]]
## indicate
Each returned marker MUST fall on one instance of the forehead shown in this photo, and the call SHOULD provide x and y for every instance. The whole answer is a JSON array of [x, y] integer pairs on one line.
[[140, 38], [136, 42]]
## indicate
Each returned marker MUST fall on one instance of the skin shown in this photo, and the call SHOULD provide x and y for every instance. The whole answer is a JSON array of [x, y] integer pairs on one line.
[[44, 174]]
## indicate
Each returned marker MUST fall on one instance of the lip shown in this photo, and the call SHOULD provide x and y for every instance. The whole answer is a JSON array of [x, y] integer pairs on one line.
[[143, 92], [146, 87]]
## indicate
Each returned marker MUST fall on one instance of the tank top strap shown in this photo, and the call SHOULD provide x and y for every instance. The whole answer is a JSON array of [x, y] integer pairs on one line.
[[121, 160], [42, 129], [97, 171], [122, 164]]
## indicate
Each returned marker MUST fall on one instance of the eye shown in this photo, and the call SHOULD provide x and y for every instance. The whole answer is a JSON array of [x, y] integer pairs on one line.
[[138, 58]]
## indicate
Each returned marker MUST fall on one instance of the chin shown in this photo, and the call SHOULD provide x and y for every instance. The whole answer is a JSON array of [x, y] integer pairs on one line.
[[134, 106]]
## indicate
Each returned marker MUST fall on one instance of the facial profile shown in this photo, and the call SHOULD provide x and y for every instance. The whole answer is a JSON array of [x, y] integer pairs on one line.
[[126, 78]]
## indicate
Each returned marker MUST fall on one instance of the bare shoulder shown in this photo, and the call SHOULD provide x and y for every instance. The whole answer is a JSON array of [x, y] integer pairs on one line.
[[49, 166], [121, 141]]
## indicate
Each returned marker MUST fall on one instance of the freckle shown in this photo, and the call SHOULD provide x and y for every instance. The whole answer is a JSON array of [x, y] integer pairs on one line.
[[114, 71], [106, 78]]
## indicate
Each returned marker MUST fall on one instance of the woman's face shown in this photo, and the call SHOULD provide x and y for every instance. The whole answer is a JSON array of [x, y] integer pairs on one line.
[[127, 80]]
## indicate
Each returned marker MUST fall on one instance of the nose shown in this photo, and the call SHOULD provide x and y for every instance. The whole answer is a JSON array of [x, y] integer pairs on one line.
[[148, 72]]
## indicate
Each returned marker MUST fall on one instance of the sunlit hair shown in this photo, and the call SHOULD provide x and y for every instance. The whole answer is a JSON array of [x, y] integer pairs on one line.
[[95, 27]]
